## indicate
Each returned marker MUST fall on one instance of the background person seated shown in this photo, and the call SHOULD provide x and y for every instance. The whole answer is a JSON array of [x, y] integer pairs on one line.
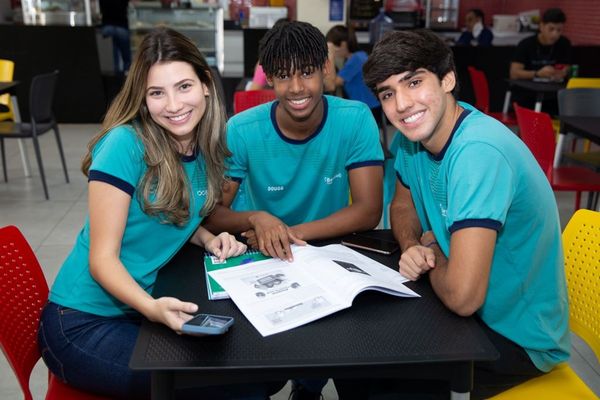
[[342, 43], [475, 33]]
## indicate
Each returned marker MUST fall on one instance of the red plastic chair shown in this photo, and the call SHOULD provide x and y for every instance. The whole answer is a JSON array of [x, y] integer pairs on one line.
[[482, 97], [23, 293], [537, 133], [244, 100]]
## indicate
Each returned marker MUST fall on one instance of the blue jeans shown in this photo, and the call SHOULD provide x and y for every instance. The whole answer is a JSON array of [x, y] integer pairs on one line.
[[92, 353], [121, 47]]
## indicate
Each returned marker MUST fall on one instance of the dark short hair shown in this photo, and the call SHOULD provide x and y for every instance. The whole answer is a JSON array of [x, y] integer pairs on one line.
[[478, 13], [554, 15], [291, 46], [339, 34], [401, 51]]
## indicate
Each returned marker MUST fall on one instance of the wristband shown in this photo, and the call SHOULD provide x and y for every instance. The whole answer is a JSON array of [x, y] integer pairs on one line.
[[431, 244]]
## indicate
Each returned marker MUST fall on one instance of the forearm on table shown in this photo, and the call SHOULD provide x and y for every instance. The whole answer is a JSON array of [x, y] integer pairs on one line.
[[354, 218], [223, 219], [405, 225], [201, 237], [518, 71]]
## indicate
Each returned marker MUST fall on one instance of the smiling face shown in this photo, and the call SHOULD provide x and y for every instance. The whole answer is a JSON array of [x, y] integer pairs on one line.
[[420, 106], [299, 95], [176, 101]]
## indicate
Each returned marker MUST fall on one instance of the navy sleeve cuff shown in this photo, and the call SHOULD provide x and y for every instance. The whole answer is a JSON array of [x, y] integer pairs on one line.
[[365, 164], [119, 183], [476, 223]]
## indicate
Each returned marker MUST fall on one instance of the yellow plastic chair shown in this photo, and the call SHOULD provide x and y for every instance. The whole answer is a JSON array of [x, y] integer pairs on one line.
[[581, 241], [7, 69], [592, 83]]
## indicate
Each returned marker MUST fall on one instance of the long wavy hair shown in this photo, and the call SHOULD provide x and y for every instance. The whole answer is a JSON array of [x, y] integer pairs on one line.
[[164, 189]]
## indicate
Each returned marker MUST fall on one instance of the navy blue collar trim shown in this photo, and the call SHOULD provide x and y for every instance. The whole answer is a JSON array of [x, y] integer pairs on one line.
[[189, 158], [460, 119], [294, 141]]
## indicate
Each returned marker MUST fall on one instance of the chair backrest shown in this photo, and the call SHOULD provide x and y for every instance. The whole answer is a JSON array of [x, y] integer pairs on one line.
[[583, 83], [582, 102], [536, 131], [244, 100], [23, 293], [480, 88], [7, 69], [581, 241], [41, 96]]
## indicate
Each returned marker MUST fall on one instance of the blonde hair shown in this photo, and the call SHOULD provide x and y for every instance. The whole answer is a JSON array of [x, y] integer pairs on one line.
[[165, 177]]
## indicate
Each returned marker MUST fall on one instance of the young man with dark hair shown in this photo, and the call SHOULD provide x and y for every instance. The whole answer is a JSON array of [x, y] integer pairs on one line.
[[475, 33], [546, 54], [473, 212], [301, 157]]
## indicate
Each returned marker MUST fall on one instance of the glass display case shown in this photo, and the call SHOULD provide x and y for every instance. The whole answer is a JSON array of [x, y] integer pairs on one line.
[[58, 12], [202, 23], [442, 14]]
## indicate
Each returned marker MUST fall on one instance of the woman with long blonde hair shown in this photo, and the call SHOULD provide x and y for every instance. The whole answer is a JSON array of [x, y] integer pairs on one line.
[[155, 170]]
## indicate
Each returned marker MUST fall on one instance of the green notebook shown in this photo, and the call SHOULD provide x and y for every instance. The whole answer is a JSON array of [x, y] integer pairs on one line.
[[212, 263]]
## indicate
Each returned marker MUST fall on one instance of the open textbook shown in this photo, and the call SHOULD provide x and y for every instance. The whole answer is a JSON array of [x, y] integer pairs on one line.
[[277, 295]]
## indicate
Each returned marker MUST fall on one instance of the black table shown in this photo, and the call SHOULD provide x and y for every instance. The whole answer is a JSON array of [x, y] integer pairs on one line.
[[540, 89], [379, 336], [8, 87], [586, 127]]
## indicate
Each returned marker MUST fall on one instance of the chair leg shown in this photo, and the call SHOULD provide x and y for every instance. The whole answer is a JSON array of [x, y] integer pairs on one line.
[[38, 156], [3, 160], [60, 150], [558, 150], [577, 200]]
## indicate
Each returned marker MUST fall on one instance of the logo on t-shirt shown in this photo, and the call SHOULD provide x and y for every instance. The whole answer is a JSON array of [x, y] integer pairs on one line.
[[329, 181], [202, 192], [275, 188]]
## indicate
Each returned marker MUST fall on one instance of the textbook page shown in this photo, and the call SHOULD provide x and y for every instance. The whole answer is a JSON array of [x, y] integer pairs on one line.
[[277, 295]]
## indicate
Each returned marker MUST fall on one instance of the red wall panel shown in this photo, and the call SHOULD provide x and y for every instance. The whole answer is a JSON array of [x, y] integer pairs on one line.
[[583, 16]]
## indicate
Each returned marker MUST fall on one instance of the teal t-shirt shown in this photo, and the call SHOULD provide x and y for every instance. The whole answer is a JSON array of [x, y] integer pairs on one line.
[[147, 244], [486, 177], [301, 180]]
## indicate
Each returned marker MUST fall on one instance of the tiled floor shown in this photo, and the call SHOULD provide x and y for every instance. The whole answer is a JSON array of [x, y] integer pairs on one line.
[[51, 228]]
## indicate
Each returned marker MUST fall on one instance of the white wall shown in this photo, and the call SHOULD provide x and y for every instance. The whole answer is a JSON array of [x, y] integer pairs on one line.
[[316, 12]]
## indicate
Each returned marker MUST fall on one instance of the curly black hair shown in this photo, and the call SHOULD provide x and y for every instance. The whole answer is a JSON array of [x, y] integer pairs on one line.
[[291, 46]]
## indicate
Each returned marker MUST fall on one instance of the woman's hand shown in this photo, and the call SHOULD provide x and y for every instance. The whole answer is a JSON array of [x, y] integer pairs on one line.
[[172, 312], [225, 245]]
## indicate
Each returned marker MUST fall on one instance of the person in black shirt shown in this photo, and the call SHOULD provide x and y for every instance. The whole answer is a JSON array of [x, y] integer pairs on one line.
[[546, 54], [115, 24]]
